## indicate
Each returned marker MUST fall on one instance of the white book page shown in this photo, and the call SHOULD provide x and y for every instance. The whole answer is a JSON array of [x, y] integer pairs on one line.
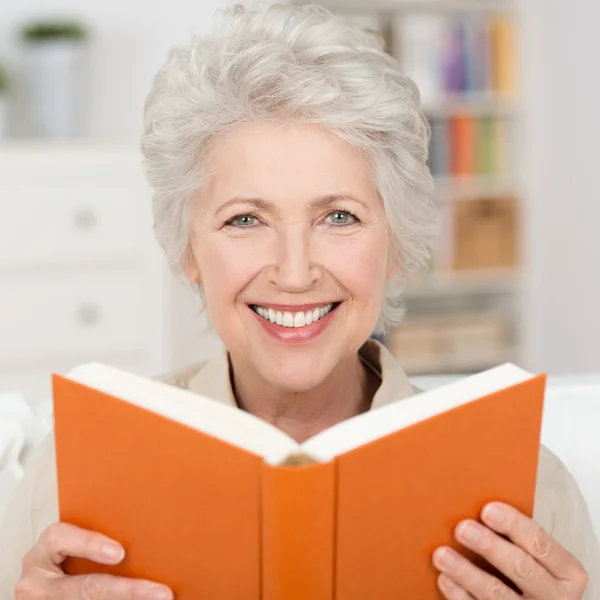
[[228, 424], [367, 427], [250, 433]]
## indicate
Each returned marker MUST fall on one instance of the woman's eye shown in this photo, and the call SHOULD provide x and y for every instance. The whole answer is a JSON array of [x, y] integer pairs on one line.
[[340, 217], [243, 221]]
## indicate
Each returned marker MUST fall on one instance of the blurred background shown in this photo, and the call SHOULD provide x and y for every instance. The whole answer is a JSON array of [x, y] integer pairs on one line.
[[512, 92]]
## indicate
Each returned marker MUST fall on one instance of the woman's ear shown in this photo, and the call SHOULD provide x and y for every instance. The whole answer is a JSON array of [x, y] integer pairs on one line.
[[190, 269], [393, 266]]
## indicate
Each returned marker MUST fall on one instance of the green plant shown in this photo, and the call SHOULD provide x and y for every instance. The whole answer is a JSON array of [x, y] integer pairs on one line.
[[3, 79], [44, 31]]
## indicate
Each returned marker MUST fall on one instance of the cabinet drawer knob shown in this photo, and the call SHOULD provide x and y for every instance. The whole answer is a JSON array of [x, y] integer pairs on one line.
[[85, 219], [88, 315]]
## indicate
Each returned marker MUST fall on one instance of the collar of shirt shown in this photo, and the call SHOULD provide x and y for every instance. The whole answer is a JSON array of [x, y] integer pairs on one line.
[[213, 379]]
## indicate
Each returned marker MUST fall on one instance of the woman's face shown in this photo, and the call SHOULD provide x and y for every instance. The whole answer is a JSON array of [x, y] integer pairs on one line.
[[290, 242]]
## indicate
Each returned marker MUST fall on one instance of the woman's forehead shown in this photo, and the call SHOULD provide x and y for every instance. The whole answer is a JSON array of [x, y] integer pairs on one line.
[[303, 161]]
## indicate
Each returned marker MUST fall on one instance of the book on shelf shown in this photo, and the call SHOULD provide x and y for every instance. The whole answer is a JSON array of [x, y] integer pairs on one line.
[[500, 142], [463, 151], [503, 49], [217, 503], [488, 160], [457, 55], [466, 146], [477, 53], [439, 146]]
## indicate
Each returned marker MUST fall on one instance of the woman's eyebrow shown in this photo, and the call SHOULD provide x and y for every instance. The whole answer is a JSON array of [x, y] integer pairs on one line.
[[261, 204], [330, 199], [257, 202]]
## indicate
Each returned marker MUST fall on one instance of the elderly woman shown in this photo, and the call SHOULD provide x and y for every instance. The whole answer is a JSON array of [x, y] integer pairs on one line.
[[288, 158]]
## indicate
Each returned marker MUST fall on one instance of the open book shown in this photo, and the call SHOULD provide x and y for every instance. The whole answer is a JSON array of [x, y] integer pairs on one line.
[[217, 503]]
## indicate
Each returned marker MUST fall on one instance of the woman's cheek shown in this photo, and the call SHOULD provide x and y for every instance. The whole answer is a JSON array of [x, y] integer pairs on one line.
[[359, 264]]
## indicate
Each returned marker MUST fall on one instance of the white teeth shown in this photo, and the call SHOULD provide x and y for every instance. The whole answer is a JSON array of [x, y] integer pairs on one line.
[[297, 319]]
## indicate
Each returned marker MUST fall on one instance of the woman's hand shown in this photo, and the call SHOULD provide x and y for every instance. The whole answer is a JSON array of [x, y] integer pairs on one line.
[[536, 563], [43, 576]]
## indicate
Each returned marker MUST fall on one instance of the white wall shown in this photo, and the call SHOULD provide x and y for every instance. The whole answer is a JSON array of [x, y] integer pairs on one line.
[[562, 173], [130, 39]]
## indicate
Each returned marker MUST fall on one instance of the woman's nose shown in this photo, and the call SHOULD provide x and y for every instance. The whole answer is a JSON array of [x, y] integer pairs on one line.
[[294, 269]]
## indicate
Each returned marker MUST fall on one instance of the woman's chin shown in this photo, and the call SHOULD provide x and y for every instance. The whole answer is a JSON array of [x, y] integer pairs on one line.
[[296, 376]]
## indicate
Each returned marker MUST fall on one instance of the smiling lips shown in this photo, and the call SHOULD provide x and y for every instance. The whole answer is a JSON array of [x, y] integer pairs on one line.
[[293, 319], [295, 326]]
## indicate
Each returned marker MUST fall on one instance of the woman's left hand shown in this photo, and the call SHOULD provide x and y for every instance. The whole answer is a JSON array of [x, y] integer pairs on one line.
[[536, 563]]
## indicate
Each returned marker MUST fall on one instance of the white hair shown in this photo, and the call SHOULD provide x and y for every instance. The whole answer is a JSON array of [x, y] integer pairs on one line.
[[300, 64]]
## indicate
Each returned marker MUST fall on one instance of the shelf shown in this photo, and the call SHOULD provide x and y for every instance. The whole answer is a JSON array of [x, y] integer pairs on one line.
[[485, 104], [459, 364], [492, 282], [420, 5], [475, 187]]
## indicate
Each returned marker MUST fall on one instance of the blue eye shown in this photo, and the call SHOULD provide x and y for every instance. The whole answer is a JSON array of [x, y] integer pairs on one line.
[[243, 221], [341, 217]]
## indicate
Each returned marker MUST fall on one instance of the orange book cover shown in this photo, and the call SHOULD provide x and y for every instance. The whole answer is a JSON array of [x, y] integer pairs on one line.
[[462, 145], [218, 504]]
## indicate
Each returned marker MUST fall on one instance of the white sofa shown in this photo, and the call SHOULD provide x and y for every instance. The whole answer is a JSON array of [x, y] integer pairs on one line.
[[571, 429]]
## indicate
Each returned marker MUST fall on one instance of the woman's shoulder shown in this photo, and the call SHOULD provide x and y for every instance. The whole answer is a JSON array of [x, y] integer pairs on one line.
[[561, 509], [552, 480]]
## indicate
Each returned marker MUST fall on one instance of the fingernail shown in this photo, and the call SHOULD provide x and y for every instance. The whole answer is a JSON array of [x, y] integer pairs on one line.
[[113, 551], [447, 558], [158, 592], [494, 514], [469, 532]]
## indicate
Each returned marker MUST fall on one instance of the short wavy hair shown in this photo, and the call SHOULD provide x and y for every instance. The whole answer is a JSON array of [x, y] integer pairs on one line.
[[298, 64]]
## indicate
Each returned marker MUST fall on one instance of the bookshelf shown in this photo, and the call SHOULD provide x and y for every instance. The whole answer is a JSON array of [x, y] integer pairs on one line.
[[463, 313]]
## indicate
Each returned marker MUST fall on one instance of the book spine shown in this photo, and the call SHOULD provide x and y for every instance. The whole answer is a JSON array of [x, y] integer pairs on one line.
[[471, 58], [438, 154], [484, 146], [501, 147], [454, 58], [484, 51], [503, 40], [298, 532], [462, 135]]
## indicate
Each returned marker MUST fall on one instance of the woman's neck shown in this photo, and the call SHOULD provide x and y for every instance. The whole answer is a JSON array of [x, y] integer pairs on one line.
[[348, 391]]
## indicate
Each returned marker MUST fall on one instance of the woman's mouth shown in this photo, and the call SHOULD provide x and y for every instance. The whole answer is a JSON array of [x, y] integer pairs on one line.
[[294, 319], [295, 326]]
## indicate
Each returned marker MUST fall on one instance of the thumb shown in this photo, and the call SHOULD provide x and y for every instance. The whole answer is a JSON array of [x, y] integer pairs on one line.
[[107, 587]]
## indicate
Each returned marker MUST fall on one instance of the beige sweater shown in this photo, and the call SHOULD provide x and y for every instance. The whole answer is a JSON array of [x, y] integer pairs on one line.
[[559, 505]]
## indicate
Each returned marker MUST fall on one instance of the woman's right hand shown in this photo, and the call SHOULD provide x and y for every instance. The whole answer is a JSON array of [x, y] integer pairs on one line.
[[43, 576]]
